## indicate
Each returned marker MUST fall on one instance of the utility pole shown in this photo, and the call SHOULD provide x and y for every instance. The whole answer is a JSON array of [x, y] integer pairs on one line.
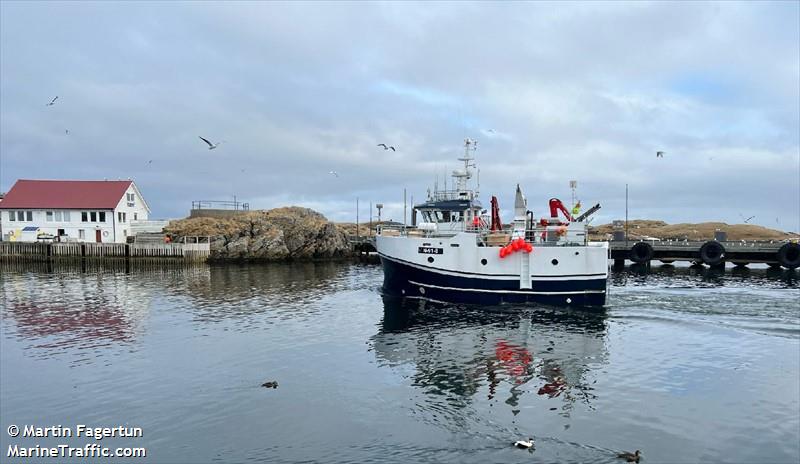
[[356, 218], [404, 207], [626, 216], [369, 232]]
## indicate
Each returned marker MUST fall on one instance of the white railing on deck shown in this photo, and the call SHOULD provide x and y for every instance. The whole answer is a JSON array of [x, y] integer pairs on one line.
[[540, 236]]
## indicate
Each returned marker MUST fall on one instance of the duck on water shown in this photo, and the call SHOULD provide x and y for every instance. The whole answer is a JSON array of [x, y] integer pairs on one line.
[[457, 253]]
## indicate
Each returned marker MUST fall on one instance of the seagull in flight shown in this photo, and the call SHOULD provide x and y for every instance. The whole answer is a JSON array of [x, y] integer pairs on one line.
[[383, 145], [53, 101], [211, 146], [659, 154], [334, 173], [150, 162], [66, 131], [747, 220]]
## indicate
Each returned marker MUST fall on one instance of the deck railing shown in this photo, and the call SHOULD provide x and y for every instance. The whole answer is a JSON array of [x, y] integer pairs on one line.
[[538, 236]]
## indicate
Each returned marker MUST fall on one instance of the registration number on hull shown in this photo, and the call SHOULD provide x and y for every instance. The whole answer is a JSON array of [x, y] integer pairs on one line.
[[430, 250]]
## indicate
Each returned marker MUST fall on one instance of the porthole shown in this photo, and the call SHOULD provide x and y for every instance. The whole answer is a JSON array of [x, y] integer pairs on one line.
[[483, 261], [569, 300], [577, 253], [421, 291], [430, 259], [555, 262]]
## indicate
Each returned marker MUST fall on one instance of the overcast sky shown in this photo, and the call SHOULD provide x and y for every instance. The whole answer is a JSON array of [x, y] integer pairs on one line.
[[552, 92]]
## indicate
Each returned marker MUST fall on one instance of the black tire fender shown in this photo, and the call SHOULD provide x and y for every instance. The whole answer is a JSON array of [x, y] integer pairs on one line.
[[789, 255], [641, 252], [712, 253]]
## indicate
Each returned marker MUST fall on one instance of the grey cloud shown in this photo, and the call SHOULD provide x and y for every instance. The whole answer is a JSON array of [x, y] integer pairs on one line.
[[578, 90]]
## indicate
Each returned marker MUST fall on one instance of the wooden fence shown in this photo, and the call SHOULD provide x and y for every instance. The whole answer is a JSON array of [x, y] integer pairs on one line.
[[42, 251]]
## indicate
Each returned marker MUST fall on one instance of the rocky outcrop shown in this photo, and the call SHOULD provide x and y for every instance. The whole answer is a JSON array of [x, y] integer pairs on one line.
[[280, 234]]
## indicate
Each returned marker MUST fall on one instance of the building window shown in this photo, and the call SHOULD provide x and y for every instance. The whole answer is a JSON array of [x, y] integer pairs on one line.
[[84, 216], [66, 216], [102, 216], [135, 216], [121, 216], [93, 216], [12, 216], [130, 197], [49, 216], [81, 233], [57, 215]]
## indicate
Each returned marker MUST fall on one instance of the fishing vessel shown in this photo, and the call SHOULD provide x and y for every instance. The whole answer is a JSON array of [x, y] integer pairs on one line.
[[459, 253]]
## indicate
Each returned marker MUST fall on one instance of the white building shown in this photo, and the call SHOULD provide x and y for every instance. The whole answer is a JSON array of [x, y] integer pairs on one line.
[[80, 210]]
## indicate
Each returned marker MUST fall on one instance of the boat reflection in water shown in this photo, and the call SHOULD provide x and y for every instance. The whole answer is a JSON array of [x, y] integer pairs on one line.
[[462, 356]]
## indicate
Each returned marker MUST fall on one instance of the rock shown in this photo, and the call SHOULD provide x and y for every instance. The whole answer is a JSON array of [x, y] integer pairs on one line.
[[290, 233]]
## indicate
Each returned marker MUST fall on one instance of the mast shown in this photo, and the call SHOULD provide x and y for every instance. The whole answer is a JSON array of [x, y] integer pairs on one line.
[[462, 176]]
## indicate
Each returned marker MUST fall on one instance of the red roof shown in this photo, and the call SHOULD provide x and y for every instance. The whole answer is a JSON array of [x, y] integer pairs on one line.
[[65, 194]]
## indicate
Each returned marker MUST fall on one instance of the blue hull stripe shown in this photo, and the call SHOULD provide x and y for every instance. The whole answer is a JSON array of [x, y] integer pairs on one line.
[[521, 292]]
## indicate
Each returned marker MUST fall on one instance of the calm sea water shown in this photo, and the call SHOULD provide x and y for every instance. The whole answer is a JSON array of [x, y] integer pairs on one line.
[[686, 365]]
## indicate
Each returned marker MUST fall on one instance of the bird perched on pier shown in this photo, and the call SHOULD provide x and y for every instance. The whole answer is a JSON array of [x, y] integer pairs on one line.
[[211, 146], [659, 154], [53, 101], [524, 444], [630, 457]]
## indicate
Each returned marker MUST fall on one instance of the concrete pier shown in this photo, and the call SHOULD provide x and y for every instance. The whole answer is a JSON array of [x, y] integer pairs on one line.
[[711, 252]]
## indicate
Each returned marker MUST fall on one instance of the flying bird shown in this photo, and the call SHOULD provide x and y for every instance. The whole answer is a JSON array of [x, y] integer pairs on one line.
[[746, 220], [211, 146], [383, 145], [66, 131], [659, 154], [392, 148], [334, 173], [150, 162], [53, 101]]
